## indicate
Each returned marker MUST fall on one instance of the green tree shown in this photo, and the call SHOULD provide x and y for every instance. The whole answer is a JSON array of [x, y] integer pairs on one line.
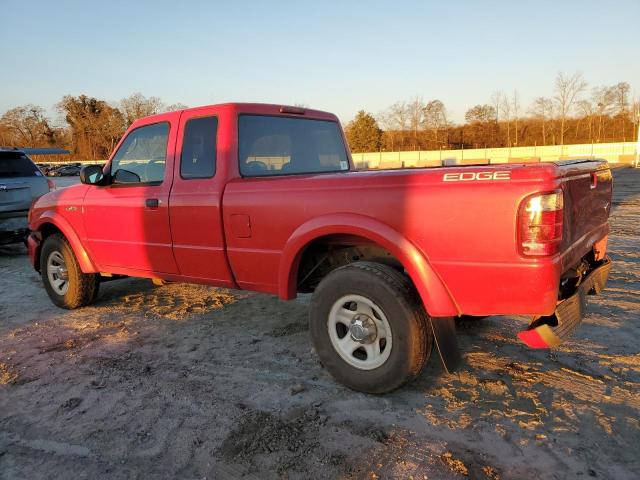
[[95, 125], [363, 133]]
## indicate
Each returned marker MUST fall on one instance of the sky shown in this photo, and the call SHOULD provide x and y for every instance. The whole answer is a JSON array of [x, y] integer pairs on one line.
[[336, 56]]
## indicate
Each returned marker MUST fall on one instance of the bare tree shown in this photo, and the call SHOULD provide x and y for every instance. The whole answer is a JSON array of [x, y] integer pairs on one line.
[[515, 103], [542, 108], [620, 92], [496, 102], [603, 99], [435, 119], [567, 92], [396, 118], [415, 113], [589, 112], [138, 106], [27, 126], [505, 108], [181, 106], [388, 131]]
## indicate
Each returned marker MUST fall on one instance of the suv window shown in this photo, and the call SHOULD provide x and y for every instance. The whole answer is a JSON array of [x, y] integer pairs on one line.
[[272, 145], [17, 164], [198, 158], [141, 157]]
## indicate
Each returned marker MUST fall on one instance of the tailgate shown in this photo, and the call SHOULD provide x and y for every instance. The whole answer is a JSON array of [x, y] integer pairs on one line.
[[14, 196], [587, 187]]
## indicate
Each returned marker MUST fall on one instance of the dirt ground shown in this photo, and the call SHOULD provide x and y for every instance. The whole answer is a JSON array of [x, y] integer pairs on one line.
[[197, 382]]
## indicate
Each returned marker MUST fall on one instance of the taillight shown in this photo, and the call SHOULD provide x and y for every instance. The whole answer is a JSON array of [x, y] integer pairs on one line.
[[52, 184], [540, 224]]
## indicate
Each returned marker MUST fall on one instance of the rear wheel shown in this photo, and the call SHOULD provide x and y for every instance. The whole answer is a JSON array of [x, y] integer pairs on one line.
[[368, 327], [64, 281]]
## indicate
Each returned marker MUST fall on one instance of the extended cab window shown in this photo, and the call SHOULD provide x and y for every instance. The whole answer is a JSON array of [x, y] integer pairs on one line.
[[198, 158], [142, 156], [271, 145]]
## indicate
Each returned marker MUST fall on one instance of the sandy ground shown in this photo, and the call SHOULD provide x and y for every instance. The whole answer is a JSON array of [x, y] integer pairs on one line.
[[197, 382]]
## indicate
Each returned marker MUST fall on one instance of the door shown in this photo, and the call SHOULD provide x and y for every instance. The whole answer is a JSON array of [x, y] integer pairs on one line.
[[127, 221], [196, 200]]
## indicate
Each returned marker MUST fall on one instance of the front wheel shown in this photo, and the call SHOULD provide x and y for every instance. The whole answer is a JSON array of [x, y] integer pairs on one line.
[[368, 327], [66, 284]]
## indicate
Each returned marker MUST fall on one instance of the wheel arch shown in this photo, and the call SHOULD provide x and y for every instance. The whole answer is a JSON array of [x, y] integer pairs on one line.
[[435, 297], [50, 223]]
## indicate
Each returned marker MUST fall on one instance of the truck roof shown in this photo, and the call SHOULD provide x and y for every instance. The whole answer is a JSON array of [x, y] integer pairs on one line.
[[257, 108]]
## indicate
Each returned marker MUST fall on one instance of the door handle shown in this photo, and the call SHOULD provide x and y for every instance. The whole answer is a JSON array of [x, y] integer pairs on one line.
[[152, 203]]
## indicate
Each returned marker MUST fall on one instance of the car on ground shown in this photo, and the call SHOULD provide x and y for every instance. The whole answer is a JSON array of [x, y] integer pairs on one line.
[[44, 167], [266, 198], [65, 171], [21, 182]]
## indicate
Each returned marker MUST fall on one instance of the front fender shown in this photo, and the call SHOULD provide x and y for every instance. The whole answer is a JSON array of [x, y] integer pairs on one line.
[[436, 298], [62, 224]]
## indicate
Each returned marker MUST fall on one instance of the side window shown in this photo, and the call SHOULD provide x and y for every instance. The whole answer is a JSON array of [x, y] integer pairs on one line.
[[198, 158], [142, 156], [273, 145]]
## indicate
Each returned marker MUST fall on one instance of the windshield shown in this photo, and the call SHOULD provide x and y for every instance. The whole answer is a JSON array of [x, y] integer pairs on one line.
[[16, 164], [272, 145]]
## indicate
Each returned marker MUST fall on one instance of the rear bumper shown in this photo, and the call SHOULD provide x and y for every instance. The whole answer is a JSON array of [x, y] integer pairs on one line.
[[13, 229], [551, 331]]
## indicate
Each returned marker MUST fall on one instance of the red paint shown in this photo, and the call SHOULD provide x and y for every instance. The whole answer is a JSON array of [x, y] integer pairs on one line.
[[532, 339], [456, 236]]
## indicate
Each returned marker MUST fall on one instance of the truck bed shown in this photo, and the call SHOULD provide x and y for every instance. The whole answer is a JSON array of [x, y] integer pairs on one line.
[[462, 219]]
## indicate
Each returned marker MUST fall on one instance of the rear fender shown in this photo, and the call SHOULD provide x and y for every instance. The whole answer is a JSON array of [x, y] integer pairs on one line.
[[57, 220], [435, 297]]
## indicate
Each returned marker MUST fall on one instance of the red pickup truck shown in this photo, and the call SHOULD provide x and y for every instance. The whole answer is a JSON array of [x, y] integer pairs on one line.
[[266, 198]]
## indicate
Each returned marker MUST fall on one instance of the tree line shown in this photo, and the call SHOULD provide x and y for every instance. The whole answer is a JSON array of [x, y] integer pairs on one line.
[[574, 113], [91, 127]]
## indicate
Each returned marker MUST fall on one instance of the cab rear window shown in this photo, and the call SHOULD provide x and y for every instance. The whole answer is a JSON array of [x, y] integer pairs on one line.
[[272, 145], [15, 164]]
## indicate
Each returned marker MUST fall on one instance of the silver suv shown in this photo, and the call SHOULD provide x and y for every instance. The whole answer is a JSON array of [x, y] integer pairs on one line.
[[21, 182]]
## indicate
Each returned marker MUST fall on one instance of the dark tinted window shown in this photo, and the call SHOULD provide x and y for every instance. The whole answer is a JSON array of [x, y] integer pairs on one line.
[[199, 148], [270, 145], [142, 155], [16, 164]]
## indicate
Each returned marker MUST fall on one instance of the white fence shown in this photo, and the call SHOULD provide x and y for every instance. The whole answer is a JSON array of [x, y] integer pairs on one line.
[[623, 152]]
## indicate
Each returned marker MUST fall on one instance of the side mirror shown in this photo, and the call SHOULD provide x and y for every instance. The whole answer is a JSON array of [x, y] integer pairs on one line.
[[91, 174]]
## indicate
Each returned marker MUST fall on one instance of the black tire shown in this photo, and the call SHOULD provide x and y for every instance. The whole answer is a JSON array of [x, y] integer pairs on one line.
[[394, 294], [96, 291], [82, 287]]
